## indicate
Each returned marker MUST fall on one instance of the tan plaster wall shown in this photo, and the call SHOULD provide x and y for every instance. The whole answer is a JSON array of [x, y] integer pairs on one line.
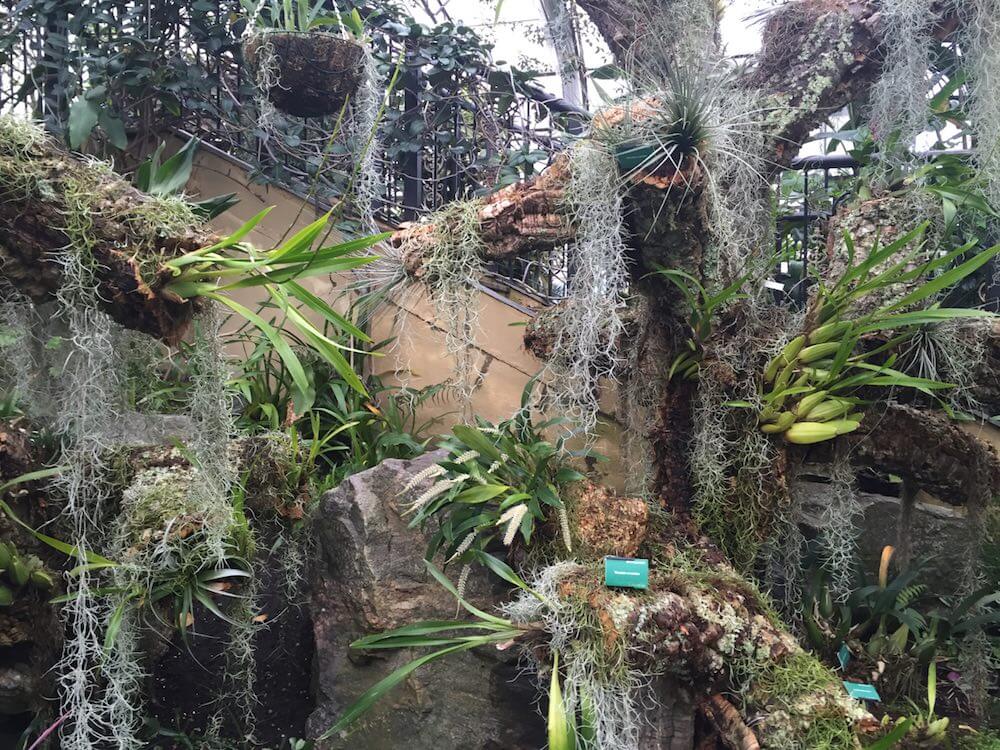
[[418, 356]]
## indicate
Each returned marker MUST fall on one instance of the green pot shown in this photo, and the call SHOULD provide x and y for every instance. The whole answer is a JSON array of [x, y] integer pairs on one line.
[[632, 155]]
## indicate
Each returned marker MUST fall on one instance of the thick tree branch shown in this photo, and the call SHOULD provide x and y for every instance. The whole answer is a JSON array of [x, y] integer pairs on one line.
[[930, 450], [53, 203]]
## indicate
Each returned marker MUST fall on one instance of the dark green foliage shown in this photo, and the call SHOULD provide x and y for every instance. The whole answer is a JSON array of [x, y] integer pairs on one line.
[[897, 621], [343, 431], [498, 482]]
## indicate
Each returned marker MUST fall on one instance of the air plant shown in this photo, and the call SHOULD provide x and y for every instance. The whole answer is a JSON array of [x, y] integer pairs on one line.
[[229, 265], [662, 131]]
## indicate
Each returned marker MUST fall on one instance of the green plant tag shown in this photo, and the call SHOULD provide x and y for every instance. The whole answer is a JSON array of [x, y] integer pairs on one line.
[[627, 572], [844, 656], [860, 691]]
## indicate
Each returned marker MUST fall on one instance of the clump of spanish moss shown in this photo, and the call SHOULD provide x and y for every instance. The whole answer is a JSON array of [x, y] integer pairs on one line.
[[452, 268], [97, 693], [838, 525], [596, 672], [740, 490], [590, 326], [899, 105], [980, 42], [364, 131]]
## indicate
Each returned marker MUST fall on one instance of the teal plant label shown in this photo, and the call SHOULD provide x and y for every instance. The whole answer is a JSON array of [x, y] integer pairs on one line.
[[628, 572], [844, 655], [860, 691]]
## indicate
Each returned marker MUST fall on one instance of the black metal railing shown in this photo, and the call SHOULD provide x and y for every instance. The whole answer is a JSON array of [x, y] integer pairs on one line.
[[481, 126]]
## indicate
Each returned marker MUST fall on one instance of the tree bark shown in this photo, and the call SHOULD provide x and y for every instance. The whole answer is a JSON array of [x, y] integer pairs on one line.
[[126, 254], [929, 450]]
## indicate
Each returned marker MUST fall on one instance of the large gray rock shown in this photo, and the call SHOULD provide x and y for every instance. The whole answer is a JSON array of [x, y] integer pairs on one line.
[[370, 577], [921, 528]]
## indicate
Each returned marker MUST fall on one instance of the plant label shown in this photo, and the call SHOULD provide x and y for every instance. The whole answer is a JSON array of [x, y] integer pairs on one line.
[[626, 572], [860, 691], [844, 656]]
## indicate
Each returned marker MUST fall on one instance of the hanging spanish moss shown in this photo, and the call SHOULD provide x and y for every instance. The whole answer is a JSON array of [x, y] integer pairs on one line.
[[899, 106], [665, 41], [21, 371], [98, 694], [210, 406], [838, 525], [740, 493], [238, 696], [590, 325], [782, 557], [980, 43], [225, 534], [451, 270], [740, 219], [364, 132]]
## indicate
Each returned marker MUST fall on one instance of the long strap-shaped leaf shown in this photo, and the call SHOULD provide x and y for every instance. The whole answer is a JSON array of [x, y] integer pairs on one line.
[[70, 550], [292, 363], [383, 686]]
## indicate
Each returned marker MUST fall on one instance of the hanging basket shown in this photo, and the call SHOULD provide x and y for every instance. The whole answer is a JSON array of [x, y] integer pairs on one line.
[[313, 73]]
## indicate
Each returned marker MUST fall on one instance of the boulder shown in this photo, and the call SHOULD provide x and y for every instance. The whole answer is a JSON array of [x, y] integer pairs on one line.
[[370, 576], [926, 530]]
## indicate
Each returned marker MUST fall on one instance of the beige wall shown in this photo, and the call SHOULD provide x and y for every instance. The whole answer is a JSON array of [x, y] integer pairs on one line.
[[418, 356]]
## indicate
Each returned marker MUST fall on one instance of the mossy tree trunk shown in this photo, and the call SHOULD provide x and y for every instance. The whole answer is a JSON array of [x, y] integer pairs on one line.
[[116, 224]]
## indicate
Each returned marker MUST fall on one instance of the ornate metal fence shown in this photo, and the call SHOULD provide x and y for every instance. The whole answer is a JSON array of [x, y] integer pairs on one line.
[[449, 130]]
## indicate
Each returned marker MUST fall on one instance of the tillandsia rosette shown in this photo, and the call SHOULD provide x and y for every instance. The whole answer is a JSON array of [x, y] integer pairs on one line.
[[813, 390]]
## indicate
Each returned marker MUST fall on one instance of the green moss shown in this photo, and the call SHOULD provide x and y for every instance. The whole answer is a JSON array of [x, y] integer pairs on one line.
[[157, 499], [809, 709], [86, 188], [988, 740], [18, 136]]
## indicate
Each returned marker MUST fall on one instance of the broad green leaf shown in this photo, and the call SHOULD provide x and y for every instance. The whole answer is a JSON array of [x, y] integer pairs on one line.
[[892, 738], [477, 441], [114, 129], [83, 115], [173, 174], [292, 363], [503, 570], [480, 493]]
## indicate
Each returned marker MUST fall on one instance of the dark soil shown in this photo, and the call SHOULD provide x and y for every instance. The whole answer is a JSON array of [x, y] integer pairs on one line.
[[183, 689]]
